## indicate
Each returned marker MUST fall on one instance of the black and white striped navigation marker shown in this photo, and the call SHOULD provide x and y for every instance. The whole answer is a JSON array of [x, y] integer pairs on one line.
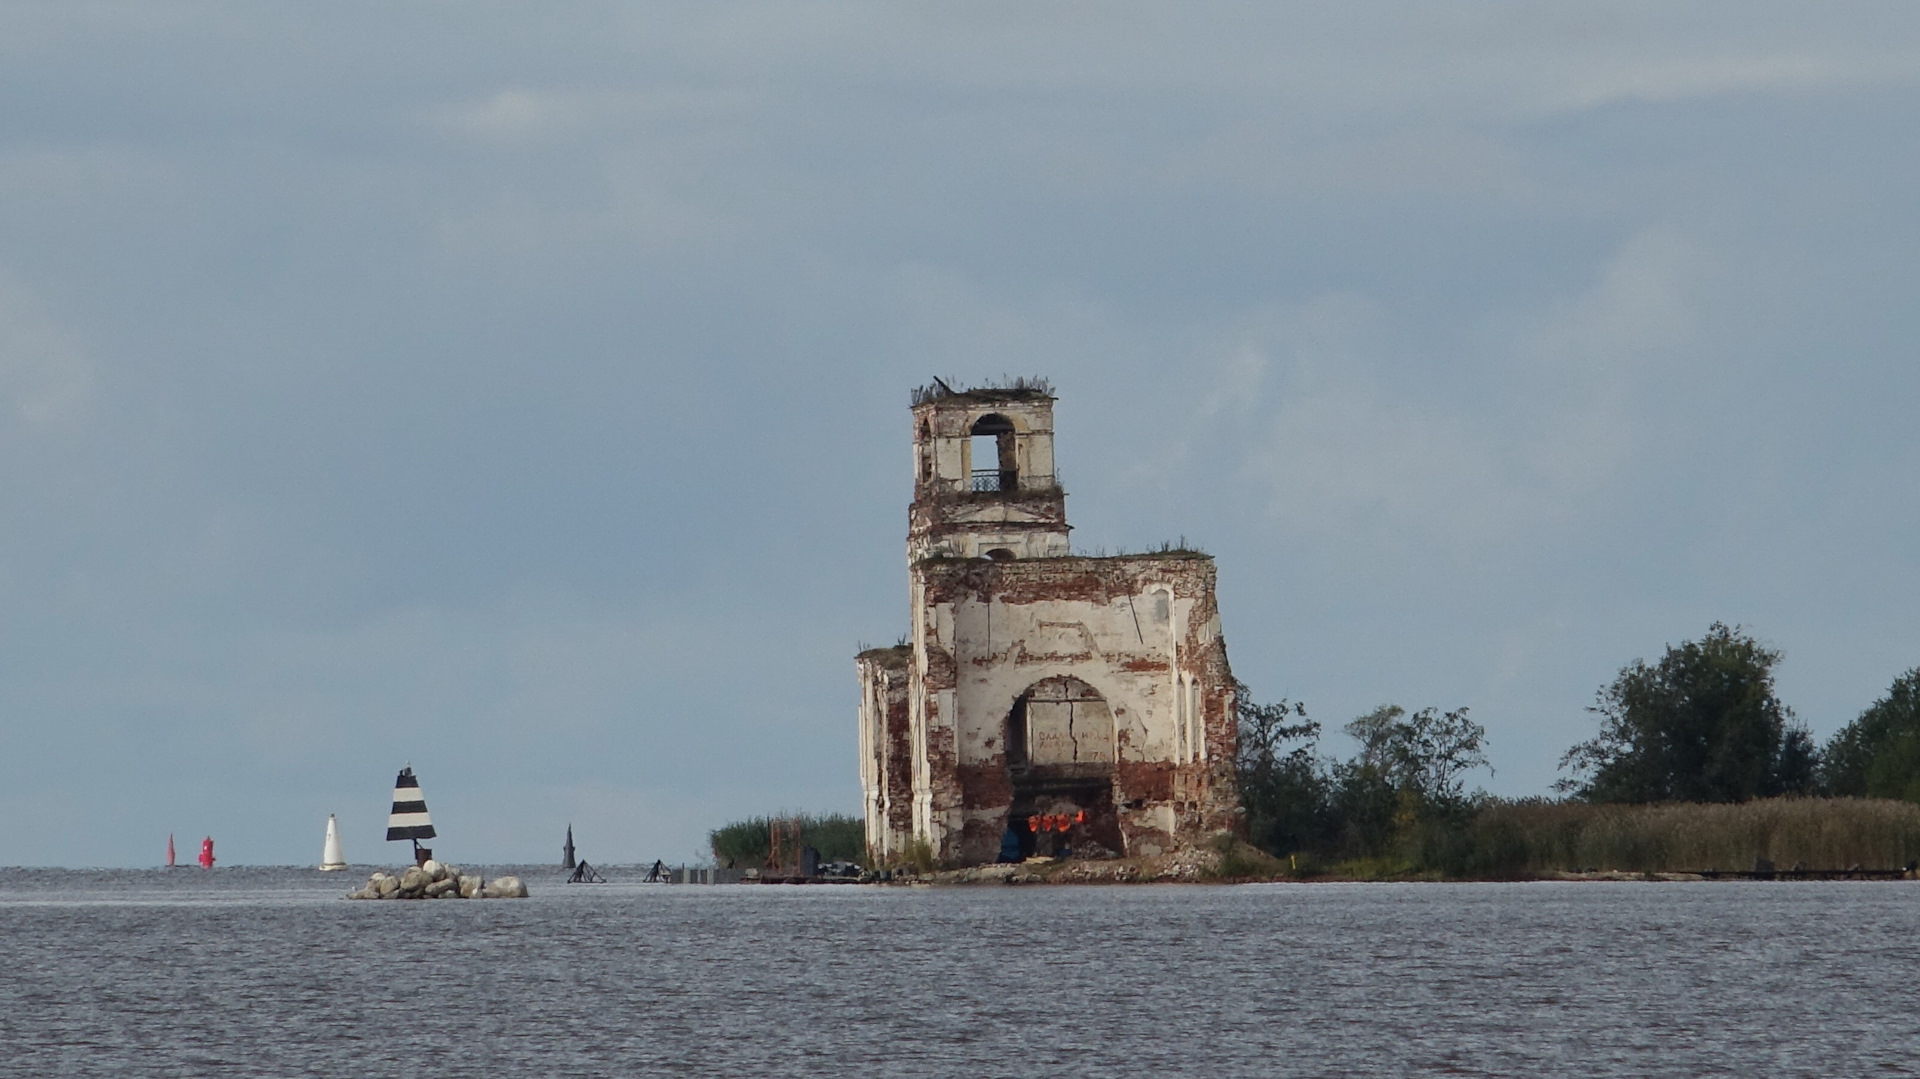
[[409, 818]]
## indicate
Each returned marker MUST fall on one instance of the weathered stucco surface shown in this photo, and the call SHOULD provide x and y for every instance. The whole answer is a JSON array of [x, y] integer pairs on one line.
[[1035, 682]]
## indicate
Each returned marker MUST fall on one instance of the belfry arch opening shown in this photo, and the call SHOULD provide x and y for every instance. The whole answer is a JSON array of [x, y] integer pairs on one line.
[[995, 462], [1060, 752]]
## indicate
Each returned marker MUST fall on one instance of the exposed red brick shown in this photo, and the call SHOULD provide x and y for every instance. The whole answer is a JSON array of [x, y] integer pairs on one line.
[[1159, 789]]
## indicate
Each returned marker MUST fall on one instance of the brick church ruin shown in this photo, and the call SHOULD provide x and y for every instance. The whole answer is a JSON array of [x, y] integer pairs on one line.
[[1042, 699]]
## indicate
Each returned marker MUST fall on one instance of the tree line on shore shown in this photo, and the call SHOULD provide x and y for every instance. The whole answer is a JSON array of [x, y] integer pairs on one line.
[[1693, 757], [1696, 764]]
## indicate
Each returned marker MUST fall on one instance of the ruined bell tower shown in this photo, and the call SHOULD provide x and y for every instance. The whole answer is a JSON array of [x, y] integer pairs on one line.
[[1043, 701], [984, 483]]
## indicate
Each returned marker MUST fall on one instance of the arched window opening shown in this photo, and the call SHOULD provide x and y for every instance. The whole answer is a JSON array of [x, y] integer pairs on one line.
[[994, 467], [1064, 722], [1001, 554]]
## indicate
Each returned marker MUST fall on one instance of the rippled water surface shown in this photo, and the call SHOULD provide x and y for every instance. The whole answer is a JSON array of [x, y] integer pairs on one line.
[[270, 972]]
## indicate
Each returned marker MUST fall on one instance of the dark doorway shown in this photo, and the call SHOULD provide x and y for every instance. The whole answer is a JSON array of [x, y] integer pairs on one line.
[[1060, 762]]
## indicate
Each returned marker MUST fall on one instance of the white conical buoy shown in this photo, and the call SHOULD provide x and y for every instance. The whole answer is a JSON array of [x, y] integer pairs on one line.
[[330, 855]]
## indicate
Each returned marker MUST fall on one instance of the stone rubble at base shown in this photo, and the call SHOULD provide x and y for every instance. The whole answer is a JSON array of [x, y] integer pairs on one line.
[[435, 880], [1186, 865]]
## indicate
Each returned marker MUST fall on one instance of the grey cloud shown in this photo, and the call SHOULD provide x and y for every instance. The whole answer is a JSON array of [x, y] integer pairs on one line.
[[525, 396]]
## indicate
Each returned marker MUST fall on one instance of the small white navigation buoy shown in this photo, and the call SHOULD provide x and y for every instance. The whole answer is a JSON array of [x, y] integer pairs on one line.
[[331, 857]]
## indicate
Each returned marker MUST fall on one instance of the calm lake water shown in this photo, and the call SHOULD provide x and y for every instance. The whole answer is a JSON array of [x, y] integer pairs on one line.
[[269, 972]]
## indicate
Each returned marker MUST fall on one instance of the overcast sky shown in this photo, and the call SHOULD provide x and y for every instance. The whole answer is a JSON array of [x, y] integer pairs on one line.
[[520, 390]]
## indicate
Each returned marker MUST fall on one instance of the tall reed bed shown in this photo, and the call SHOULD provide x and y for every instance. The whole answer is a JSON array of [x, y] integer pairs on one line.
[[746, 843], [1814, 833]]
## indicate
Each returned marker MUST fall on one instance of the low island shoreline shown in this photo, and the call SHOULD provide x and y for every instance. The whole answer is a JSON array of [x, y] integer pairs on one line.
[[1779, 839], [1240, 864]]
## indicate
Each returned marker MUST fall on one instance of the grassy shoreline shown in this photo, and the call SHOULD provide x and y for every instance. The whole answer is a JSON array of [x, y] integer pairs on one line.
[[1493, 840], [1546, 841], [1532, 838], [1129, 872]]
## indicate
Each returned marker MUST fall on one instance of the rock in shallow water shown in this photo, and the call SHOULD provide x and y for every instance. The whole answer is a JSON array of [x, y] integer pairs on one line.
[[416, 883], [505, 888]]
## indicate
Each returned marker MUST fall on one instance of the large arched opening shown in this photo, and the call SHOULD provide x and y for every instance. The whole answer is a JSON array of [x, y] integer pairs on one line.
[[1060, 750], [995, 461]]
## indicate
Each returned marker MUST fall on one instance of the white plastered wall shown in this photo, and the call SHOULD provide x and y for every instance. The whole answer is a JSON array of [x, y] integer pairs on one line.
[[1002, 649]]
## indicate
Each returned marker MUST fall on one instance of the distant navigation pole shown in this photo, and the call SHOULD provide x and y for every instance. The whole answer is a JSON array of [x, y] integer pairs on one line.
[[566, 852], [206, 853], [409, 818]]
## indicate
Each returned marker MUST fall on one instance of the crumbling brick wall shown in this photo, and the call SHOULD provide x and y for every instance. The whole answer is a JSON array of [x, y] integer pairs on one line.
[[1119, 657], [886, 773], [1142, 631]]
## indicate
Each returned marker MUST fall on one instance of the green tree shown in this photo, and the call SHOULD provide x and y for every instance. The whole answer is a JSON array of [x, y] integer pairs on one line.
[[1410, 771], [1702, 725], [1426, 754], [1878, 754], [1282, 784]]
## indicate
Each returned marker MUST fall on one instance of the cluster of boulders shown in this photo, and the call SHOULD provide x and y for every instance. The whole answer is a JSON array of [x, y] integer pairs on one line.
[[434, 880]]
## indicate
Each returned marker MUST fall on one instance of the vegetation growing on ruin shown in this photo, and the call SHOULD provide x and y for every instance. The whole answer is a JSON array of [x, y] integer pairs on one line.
[[745, 844], [1118, 554], [1165, 549], [1006, 388], [898, 655], [1240, 861], [919, 856]]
